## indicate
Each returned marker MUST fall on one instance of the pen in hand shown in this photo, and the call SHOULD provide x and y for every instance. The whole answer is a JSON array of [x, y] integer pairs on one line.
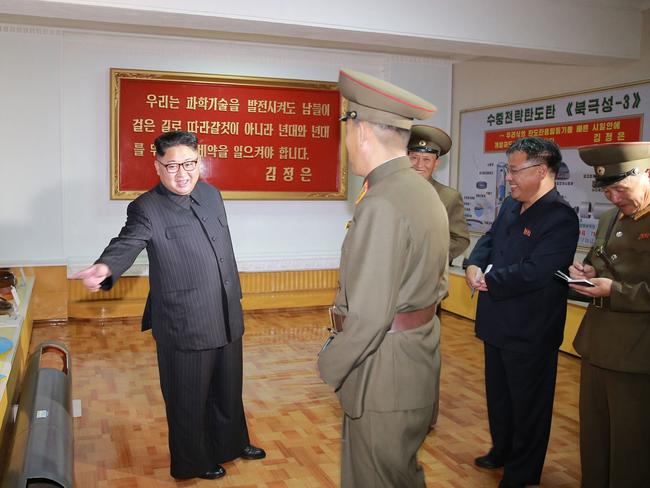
[[478, 277]]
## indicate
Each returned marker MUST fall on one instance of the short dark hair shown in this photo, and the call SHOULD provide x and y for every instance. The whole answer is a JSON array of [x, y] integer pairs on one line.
[[540, 150], [175, 138]]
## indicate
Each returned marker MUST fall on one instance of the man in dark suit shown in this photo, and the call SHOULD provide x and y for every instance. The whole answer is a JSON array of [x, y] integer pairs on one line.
[[522, 309], [193, 308]]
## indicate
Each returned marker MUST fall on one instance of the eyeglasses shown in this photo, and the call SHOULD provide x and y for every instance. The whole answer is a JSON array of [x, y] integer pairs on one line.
[[173, 168], [513, 172]]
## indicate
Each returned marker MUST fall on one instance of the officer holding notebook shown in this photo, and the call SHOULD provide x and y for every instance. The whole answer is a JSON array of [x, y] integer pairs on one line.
[[614, 337], [522, 309]]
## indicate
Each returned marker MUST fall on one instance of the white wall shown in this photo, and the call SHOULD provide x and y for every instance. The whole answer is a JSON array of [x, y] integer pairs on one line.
[[54, 99], [567, 31], [30, 161], [483, 83]]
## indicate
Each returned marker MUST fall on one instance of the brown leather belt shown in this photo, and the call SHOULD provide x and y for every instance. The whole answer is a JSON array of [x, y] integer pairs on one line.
[[401, 322]]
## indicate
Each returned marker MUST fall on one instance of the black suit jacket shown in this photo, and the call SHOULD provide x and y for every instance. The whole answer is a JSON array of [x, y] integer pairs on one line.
[[524, 308], [194, 298]]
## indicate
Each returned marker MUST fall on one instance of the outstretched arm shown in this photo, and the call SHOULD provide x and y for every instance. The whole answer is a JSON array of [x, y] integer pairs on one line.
[[93, 276]]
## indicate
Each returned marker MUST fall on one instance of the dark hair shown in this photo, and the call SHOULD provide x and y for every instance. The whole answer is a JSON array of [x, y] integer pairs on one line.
[[175, 138], [540, 150]]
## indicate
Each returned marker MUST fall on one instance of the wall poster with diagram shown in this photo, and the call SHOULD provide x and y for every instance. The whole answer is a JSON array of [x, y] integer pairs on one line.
[[614, 114]]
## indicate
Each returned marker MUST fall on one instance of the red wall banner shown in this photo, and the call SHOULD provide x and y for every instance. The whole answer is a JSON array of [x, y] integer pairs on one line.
[[259, 138], [572, 134]]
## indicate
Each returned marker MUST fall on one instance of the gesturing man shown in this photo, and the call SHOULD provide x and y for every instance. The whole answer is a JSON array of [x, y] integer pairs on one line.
[[193, 308]]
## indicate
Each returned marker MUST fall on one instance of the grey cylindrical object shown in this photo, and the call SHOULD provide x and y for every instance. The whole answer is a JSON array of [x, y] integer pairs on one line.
[[600, 208], [42, 451], [584, 210]]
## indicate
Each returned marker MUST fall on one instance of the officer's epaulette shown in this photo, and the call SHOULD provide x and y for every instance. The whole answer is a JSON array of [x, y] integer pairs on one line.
[[362, 193]]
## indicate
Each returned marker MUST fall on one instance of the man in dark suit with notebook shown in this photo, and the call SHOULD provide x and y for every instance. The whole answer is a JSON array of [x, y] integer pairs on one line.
[[193, 308], [522, 309]]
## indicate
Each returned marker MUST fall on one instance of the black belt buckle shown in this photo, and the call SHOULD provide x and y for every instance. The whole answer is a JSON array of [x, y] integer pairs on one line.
[[597, 302]]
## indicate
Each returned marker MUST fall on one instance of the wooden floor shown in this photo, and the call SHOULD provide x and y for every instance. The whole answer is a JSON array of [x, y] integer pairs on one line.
[[121, 438]]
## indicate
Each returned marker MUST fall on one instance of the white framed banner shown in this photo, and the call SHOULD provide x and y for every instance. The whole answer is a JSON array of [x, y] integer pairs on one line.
[[612, 114]]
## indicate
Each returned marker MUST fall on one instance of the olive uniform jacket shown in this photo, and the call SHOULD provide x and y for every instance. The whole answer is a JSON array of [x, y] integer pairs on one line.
[[616, 335], [458, 230], [394, 259], [194, 298]]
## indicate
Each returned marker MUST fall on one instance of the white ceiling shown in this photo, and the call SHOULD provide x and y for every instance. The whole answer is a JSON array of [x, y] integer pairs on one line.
[[583, 32]]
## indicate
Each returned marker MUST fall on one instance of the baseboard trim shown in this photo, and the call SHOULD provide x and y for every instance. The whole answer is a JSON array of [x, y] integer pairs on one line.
[[261, 291]]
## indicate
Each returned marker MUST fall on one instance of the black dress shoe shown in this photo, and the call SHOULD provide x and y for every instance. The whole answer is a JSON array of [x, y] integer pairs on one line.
[[218, 472], [252, 452], [488, 462]]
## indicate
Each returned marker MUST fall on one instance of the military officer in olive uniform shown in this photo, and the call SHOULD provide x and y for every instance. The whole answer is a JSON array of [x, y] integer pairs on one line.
[[392, 274], [614, 337], [425, 147]]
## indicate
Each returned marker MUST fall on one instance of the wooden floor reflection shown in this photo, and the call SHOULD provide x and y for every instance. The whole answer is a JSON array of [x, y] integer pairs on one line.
[[121, 438]]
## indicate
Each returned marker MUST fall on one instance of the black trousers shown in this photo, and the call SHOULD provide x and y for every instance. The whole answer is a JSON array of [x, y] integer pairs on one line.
[[203, 400], [520, 388]]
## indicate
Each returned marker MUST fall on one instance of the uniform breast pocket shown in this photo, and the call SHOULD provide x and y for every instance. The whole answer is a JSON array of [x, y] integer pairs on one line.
[[177, 232], [223, 221]]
